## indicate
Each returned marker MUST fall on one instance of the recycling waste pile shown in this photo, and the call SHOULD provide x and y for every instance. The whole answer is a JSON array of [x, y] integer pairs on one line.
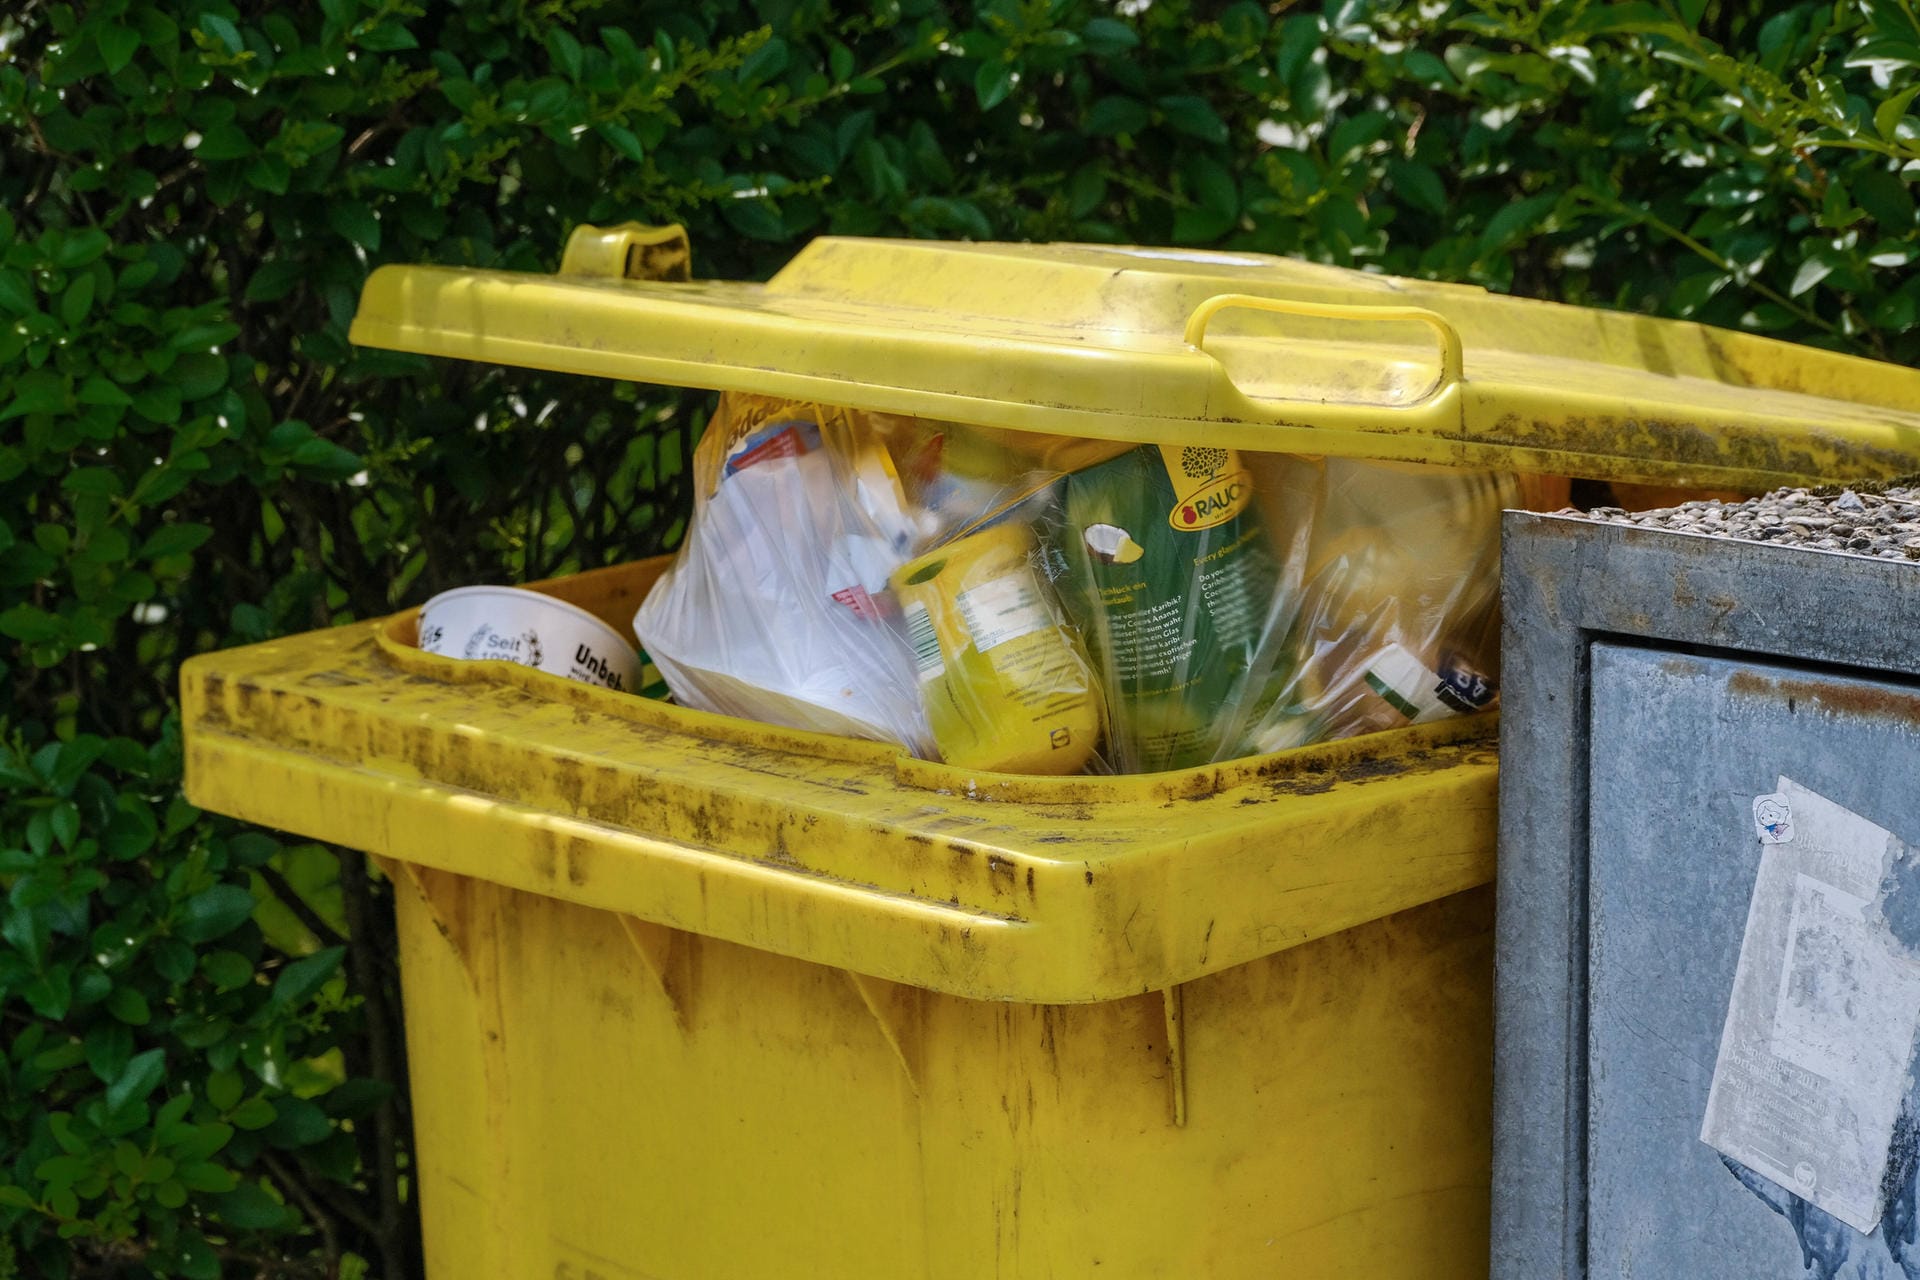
[[1050, 828], [1025, 603]]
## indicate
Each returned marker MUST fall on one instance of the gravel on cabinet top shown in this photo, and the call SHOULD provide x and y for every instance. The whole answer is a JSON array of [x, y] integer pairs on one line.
[[1883, 524]]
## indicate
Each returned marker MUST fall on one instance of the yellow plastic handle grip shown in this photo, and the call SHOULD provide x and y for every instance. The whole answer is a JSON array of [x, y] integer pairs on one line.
[[1451, 352], [630, 251]]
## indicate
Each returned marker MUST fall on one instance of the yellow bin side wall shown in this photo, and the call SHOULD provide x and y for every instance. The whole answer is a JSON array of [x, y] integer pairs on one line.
[[749, 1117]]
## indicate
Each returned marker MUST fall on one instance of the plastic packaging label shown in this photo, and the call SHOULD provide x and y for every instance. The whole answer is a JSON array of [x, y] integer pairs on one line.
[[1003, 609]]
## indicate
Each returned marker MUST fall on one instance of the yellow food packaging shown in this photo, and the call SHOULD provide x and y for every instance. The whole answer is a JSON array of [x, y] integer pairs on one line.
[[1006, 682]]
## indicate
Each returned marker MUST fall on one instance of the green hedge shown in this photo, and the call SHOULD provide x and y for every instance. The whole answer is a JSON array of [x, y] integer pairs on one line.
[[202, 1072]]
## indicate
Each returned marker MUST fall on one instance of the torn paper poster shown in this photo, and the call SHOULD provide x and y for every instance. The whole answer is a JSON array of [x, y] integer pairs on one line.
[[1819, 1037]]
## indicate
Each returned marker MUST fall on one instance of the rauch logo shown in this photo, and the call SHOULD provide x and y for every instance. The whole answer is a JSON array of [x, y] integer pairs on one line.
[[1214, 503]]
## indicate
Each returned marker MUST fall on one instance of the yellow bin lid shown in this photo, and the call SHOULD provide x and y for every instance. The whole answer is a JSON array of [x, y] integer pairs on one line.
[[1239, 349]]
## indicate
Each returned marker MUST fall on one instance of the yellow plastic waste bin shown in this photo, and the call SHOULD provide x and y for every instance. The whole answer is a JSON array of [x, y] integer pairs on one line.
[[690, 998]]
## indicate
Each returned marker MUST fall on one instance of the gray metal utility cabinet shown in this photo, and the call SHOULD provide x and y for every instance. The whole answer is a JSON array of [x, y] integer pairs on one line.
[[1657, 685]]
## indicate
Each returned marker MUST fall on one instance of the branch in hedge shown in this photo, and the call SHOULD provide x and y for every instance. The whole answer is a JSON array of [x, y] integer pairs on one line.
[[289, 1182], [290, 897]]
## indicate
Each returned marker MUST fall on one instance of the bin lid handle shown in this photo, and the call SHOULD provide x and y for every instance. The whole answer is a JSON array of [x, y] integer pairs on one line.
[[630, 251], [1452, 356]]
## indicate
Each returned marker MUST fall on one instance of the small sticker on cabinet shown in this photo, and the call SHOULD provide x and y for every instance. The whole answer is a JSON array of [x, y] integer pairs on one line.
[[1773, 818]]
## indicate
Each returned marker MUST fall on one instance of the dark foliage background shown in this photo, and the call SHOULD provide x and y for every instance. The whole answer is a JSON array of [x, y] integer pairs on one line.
[[203, 1071]]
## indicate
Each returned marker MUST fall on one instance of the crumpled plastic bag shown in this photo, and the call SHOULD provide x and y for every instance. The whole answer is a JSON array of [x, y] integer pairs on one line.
[[1397, 568], [777, 607]]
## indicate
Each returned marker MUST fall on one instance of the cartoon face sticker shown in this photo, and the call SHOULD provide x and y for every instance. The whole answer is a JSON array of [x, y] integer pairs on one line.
[[1772, 818]]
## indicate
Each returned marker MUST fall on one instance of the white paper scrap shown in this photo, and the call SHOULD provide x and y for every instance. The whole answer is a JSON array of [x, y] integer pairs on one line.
[[1821, 1021]]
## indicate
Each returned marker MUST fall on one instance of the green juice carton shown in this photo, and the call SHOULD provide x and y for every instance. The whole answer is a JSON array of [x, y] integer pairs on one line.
[[1166, 568]]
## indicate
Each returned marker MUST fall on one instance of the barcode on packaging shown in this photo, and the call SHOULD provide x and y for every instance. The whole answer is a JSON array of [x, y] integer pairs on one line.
[[926, 642]]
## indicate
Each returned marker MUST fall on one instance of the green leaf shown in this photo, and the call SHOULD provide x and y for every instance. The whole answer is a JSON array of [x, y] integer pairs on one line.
[[351, 1099], [198, 1261], [203, 335], [766, 62], [1195, 117], [252, 848], [1214, 187], [1312, 90], [16, 295], [142, 1076], [92, 480], [1886, 55], [214, 913], [174, 540], [1513, 221], [250, 1208], [1897, 313], [129, 1006], [173, 959], [389, 37], [77, 301], [1356, 133], [297, 1123], [356, 222], [79, 248], [27, 929], [223, 30], [1888, 115], [97, 390], [1200, 226], [198, 374], [270, 173], [255, 1113], [1104, 37], [203, 1142], [305, 976], [207, 1177], [117, 43], [31, 625], [1418, 185], [65, 818], [224, 1089], [50, 994], [37, 392], [1299, 37], [623, 140], [759, 219], [992, 83], [109, 1046], [1811, 272], [1886, 198], [158, 404], [1112, 116], [275, 278], [227, 970], [1426, 68], [223, 142]]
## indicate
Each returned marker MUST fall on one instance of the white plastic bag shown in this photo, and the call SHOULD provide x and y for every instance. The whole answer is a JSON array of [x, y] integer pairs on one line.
[[777, 608]]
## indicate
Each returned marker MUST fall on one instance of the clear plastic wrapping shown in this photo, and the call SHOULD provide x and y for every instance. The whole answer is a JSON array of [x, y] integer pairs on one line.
[[1029, 603], [777, 607]]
